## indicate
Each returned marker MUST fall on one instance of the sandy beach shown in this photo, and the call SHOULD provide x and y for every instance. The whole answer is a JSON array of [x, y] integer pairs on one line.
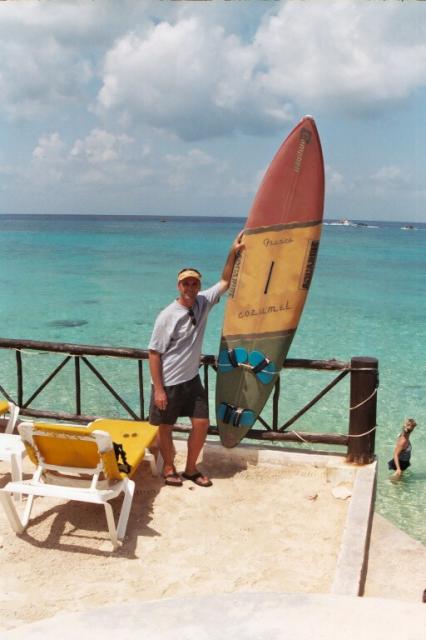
[[262, 527]]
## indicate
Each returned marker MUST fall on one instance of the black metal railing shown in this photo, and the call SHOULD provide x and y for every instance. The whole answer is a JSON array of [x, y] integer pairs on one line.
[[362, 409]]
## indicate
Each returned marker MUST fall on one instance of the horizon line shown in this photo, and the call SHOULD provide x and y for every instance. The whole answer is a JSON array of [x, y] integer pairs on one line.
[[165, 217]]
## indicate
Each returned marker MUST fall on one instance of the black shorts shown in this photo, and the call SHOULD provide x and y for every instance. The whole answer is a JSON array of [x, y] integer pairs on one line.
[[188, 399], [404, 464]]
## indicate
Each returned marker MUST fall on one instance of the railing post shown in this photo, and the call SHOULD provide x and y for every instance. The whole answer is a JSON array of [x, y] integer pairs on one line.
[[77, 386], [275, 404], [141, 393], [362, 409], [20, 382]]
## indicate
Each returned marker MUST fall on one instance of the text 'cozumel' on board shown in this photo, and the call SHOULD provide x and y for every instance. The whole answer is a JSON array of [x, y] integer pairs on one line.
[[273, 308]]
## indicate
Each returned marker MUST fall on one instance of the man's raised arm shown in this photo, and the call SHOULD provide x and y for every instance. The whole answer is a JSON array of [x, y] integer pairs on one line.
[[236, 248]]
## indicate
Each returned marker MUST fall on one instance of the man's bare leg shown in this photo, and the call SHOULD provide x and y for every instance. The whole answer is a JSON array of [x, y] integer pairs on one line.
[[196, 442], [168, 452]]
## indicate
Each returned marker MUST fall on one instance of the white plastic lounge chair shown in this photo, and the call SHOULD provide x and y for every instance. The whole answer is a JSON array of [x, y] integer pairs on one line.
[[84, 467], [7, 407], [12, 449]]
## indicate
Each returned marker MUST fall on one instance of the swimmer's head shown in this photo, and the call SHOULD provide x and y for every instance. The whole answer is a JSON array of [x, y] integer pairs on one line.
[[409, 425]]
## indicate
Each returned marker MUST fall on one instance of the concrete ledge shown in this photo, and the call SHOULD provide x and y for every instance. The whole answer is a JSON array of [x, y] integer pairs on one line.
[[238, 616], [264, 454], [351, 569]]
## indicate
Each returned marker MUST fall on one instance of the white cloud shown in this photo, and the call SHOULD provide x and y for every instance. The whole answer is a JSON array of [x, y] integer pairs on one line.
[[36, 80], [100, 146], [199, 71], [335, 181], [101, 157], [47, 165], [116, 87], [356, 56], [109, 159], [49, 51], [390, 178], [195, 79], [181, 169], [190, 79], [76, 23], [49, 148]]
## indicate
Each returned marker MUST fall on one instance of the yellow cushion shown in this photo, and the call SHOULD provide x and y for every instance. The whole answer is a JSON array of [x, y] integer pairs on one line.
[[75, 453], [4, 407], [134, 436]]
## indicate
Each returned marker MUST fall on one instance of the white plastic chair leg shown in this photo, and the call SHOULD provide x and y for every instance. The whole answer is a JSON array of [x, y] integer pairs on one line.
[[129, 491], [16, 467], [156, 464], [111, 525], [27, 511], [17, 522], [30, 500], [16, 471], [13, 417], [11, 512], [159, 464]]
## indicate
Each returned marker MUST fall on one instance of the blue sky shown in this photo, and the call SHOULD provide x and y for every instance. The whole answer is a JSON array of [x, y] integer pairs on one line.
[[177, 106]]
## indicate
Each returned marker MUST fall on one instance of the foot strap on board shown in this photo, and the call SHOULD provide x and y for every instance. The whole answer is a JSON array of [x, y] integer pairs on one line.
[[228, 411], [232, 358], [256, 362], [261, 365], [235, 416]]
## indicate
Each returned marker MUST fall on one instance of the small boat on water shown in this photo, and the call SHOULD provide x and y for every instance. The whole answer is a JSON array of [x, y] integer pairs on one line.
[[344, 222], [408, 227]]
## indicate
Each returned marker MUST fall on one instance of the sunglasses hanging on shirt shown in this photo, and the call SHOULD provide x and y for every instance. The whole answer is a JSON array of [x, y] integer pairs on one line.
[[192, 316]]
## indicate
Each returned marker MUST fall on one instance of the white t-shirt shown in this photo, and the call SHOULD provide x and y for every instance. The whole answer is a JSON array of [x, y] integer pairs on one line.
[[178, 340]]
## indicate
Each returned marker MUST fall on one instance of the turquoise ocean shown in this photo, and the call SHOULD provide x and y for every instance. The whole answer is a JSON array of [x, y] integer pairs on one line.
[[101, 280]]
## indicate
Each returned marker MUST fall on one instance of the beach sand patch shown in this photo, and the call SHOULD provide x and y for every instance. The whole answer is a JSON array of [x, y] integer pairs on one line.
[[253, 530]]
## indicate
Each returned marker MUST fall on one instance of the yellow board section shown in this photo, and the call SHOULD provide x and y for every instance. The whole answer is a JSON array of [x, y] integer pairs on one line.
[[271, 280]]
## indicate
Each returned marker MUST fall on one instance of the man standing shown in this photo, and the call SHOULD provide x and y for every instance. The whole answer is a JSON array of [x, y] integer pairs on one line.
[[174, 360]]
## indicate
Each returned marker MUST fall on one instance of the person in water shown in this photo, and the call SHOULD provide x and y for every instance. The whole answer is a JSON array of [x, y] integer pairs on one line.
[[402, 451], [174, 359]]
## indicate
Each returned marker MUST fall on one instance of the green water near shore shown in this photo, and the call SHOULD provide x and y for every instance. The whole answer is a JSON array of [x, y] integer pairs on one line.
[[102, 281]]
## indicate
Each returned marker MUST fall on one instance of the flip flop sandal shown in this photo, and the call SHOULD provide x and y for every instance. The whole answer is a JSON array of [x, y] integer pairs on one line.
[[173, 479], [197, 478]]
